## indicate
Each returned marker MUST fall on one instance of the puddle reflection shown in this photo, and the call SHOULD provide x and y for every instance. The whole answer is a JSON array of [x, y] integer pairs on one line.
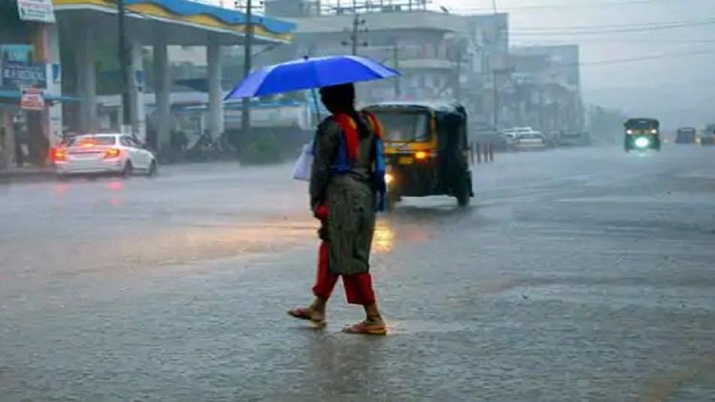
[[115, 185], [384, 238]]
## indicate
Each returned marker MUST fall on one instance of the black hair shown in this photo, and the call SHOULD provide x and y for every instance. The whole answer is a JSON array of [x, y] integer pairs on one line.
[[341, 99]]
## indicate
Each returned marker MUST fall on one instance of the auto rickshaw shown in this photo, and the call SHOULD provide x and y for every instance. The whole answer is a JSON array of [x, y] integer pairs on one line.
[[685, 135], [426, 150], [707, 136], [642, 134]]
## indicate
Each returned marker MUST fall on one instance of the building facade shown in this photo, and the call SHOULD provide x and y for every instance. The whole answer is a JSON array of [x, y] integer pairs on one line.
[[425, 46], [30, 83], [546, 89]]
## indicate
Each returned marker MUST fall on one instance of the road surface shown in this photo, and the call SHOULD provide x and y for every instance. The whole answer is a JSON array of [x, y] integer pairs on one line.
[[582, 274]]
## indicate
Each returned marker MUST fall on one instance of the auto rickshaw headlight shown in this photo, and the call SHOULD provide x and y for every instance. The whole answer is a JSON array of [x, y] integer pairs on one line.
[[642, 142], [420, 155]]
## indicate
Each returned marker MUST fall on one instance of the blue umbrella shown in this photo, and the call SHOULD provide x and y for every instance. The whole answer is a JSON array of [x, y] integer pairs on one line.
[[309, 73]]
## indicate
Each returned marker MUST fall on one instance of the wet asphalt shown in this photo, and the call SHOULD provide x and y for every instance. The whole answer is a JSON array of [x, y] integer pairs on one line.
[[576, 275]]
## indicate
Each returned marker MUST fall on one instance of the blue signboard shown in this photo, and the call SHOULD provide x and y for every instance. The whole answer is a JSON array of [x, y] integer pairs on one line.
[[17, 75], [19, 53]]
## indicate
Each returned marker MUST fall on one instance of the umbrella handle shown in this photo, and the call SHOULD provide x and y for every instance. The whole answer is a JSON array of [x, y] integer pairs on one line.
[[315, 100]]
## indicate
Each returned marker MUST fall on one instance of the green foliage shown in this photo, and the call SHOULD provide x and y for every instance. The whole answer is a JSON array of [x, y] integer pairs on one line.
[[261, 149]]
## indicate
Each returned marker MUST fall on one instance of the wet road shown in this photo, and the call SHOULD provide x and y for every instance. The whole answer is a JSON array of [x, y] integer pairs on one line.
[[583, 274]]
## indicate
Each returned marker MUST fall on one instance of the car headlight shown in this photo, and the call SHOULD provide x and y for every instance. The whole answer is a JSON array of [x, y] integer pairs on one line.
[[642, 142]]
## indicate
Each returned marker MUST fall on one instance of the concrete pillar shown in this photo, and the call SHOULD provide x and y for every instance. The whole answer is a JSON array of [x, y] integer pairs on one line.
[[86, 83], [54, 84], [215, 117], [162, 83], [137, 86], [7, 139]]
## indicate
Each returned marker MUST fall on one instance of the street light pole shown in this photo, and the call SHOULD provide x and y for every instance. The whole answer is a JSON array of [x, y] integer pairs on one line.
[[396, 65], [123, 56], [247, 61], [495, 90]]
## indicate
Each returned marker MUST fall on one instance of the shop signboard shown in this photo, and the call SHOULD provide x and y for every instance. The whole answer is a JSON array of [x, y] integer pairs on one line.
[[36, 10], [17, 53], [32, 99], [16, 75]]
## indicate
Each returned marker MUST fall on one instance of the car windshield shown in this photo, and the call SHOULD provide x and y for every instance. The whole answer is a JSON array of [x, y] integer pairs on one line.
[[404, 127], [94, 140]]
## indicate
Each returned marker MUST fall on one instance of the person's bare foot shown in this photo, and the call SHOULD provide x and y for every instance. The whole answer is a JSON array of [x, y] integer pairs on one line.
[[370, 326], [316, 317]]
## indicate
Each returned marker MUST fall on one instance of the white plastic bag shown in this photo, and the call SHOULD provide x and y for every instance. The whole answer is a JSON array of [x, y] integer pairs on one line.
[[304, 164]]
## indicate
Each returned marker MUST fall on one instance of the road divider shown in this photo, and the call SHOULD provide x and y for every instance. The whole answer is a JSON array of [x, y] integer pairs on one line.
[[481, 152]]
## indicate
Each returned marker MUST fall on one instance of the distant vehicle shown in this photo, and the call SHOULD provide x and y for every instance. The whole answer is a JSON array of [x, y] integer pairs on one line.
[[533, 141], [707, 136], [686, 135], [512, 135], [93, 154], [574, 138], [641, 134], [486, 133]]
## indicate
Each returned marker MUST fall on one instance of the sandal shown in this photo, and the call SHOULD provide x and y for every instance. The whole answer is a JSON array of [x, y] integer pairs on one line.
[[366, 328], [302, 313]]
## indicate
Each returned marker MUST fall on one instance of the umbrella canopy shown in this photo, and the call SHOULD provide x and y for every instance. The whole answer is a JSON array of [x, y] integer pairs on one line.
[[308, 73]]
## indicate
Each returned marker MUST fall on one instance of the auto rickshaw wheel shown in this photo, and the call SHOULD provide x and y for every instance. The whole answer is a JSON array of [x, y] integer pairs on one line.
[[463, 200], [391, 201], [464, 196]]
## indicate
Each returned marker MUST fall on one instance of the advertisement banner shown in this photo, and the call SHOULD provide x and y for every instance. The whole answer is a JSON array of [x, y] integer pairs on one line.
[[17, 53], [16, 75], [32, 99], [36, 10]]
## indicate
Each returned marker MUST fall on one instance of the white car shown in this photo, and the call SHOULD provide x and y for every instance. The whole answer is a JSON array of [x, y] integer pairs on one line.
[[531, 141], [103, 154]]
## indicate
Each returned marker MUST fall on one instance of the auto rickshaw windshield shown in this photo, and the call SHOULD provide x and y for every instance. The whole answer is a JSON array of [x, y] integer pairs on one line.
[[642, 124], [404, 127]]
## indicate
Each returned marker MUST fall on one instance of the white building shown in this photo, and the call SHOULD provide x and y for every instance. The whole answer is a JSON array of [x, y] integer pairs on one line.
[[424, 45]]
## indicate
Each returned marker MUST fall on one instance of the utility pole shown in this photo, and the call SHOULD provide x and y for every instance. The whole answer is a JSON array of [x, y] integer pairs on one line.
[[495, 90], [247, 60], [353, 36], [123, 56], [457, 78], [495, 98], [355, 32], [396, 65]]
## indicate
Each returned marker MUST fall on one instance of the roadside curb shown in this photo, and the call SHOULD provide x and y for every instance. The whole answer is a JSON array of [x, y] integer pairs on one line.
[[26, 177]]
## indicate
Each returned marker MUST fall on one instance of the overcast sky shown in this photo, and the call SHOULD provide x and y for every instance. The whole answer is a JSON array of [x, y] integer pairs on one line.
[[676, 88]]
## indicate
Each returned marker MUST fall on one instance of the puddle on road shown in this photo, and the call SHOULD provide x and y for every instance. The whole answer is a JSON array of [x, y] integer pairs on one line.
[[619, 296], [654, 199], [427, 326]]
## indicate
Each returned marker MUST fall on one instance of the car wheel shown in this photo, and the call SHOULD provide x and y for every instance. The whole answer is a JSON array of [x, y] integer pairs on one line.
[[153, 169], [128, 170]]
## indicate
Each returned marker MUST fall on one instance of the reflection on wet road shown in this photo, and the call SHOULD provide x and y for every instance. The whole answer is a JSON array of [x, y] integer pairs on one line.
[[582, 274]]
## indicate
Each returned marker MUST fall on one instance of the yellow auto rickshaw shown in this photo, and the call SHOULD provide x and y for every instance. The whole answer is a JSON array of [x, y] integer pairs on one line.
[[426, 150]]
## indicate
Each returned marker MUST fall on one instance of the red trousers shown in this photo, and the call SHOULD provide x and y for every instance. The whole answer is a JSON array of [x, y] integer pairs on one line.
[[358, 288]]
